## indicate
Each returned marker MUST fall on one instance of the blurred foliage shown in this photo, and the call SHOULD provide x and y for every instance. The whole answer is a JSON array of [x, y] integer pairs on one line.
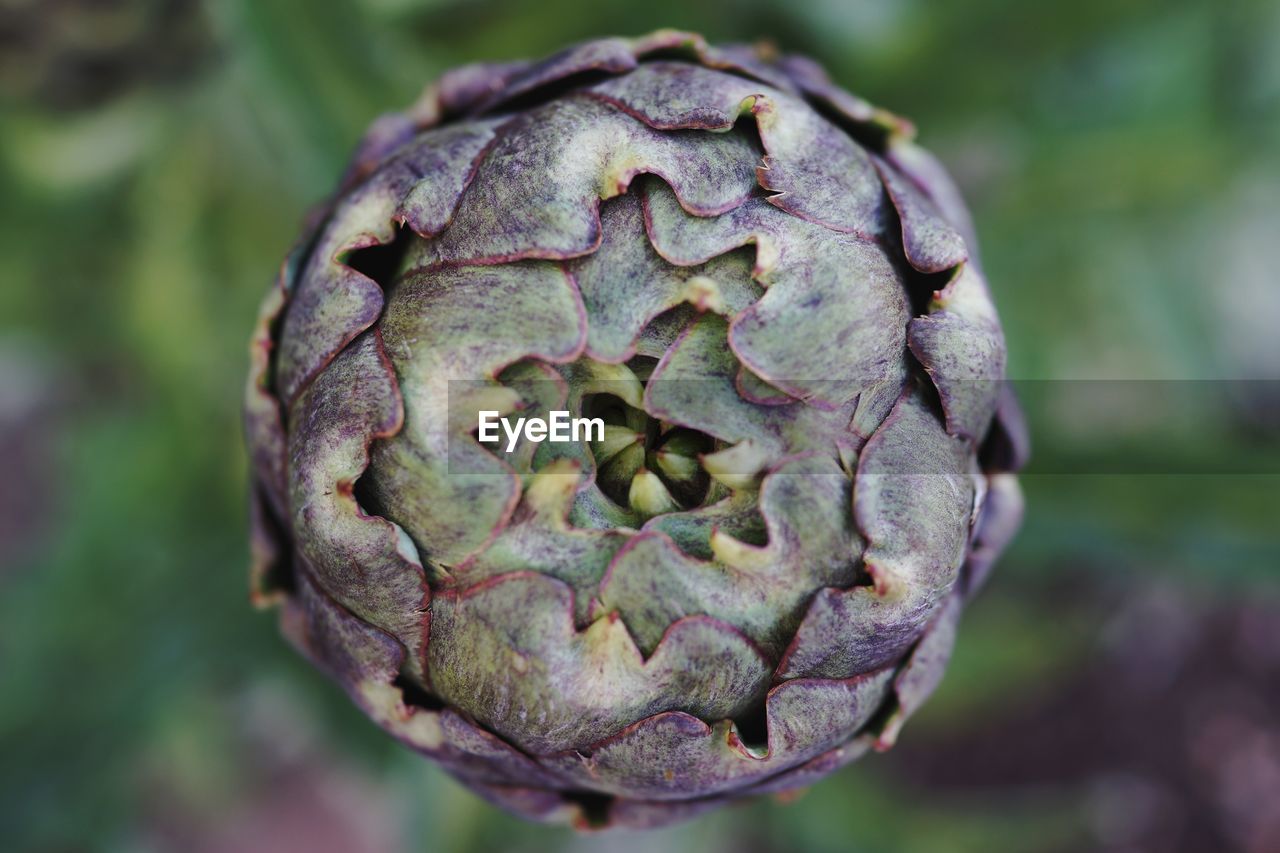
[[156, 158]]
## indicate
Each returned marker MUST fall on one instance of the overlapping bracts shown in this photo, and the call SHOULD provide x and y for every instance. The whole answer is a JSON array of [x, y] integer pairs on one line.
[[770, 293]]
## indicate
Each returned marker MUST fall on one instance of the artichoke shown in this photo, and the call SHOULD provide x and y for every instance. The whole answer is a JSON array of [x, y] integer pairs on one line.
[[768, 298]]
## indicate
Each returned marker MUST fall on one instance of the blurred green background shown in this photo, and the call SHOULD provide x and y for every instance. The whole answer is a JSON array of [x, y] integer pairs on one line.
[[1114, 688]]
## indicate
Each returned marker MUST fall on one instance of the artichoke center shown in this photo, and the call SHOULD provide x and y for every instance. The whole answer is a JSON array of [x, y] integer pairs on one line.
[[649, 465]]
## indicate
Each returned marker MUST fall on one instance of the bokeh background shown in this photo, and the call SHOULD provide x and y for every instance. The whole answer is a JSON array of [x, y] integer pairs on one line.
[[1115, 687]]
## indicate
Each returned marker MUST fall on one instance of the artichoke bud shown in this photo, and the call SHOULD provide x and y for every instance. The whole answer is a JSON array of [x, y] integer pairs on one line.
[[675, 467], [717, 260], [616, 474], [617, 437], [649, 496]]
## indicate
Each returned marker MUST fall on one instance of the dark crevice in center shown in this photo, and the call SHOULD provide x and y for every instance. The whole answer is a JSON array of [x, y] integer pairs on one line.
[[382, 262], [753, 728], [415, 695], [637, 445], [861, 577], [920, 286], [366, 496], [749, 127], [279, 575], [595, 806]]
